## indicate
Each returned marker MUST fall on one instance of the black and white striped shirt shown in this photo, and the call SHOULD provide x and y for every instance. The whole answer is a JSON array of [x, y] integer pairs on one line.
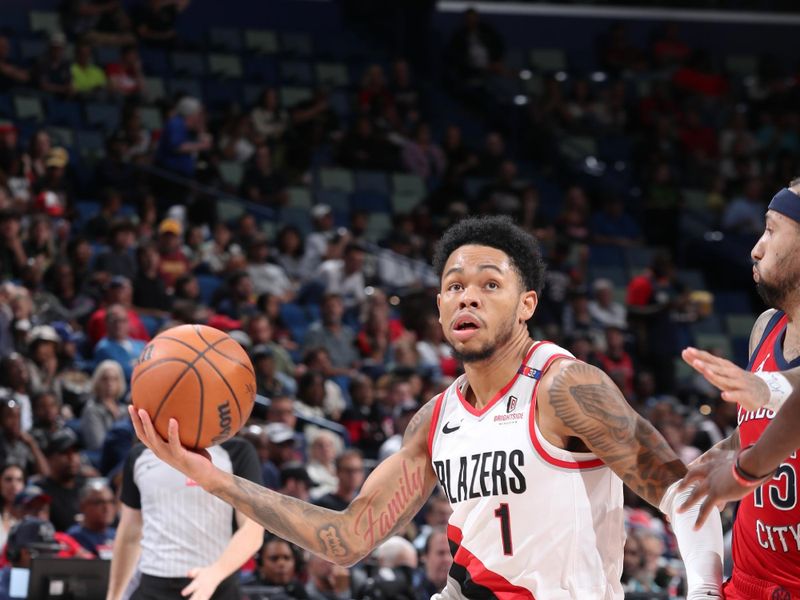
[[182, 525]]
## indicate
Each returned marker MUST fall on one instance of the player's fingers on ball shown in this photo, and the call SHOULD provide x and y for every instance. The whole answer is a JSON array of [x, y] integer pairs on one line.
[[172, 434]]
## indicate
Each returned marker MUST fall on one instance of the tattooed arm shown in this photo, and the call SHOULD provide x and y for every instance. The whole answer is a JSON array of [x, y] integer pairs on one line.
[[389, 498], [585, 403], [580, 401]]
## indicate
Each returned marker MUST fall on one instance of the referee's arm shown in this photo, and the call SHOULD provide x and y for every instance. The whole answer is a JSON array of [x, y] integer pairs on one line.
[[126, 551]]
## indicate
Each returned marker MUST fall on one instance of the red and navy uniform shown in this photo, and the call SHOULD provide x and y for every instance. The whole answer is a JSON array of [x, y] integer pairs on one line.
[[766, 534]]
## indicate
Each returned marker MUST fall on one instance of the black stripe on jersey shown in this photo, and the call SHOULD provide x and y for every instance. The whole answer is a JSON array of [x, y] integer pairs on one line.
[[469, 589]]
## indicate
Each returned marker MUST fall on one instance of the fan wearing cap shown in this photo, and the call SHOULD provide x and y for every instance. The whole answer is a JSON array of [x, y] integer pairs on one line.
[[174, 263], [28, 539], [64, 482], [43, 366], [54, 190]]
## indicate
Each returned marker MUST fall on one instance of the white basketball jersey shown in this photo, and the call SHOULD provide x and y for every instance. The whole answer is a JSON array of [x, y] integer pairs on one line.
[[530, 520]]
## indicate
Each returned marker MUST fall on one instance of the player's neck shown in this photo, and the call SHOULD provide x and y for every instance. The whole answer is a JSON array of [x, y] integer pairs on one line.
[[791, 342], [488, 377]]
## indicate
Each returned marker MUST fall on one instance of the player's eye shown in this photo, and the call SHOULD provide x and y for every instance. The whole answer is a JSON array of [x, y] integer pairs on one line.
[[492, 285], [454, 287]]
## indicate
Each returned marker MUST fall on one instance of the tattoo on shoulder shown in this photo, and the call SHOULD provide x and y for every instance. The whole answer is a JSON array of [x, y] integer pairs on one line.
[[595, 410], [421, 419]]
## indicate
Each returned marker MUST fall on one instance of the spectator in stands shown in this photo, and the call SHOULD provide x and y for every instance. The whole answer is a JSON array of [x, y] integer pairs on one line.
[[216, 252], [262, 183], [613, 226], [237, 139], [238, 302], [668, 48], [379, 331], [117, 345], [396, 271], [402, 417], [15, 380], [330, 333], [259, 328], [26, 540], [149, 293], [12, 482], [436, 562], [87, 78], [350, 473], [98, 227], [138, 140], [345, 276], [267, 276], [323, 446], [126, 76], [616, 361], [289, 251], [374, 95], [422, 156], [365, 420], [34, 159], [604, 310], [327, 581], [363, 148], [113, 171], [436, 513], [435, 354], [277, 577], [270, 382], [43, 365], [504, 194], [313, 123], [573, 222], [98, 512], [47, 416], [18, 445], [156, 19], [745, 213], [282, 449], [318, 392], [475, 48], [407, 98], [54, 191], [616, 53], [295, 481], [182, 137], [11, 75], [118, 260], [104, 406], [53, 72], [174, 262], [12, 250], [117, 291], [269, 119], [325, 241], [64, 481]]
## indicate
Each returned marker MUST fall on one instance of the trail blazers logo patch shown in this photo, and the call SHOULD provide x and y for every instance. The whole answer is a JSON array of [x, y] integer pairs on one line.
[[511, 404]]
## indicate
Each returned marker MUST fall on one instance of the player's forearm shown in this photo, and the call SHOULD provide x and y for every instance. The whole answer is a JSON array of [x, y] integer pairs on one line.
[[241, 547], [319, 530], [780, 438]]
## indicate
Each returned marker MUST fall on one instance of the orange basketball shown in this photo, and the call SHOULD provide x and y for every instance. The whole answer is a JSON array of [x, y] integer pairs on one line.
[[200, 376]]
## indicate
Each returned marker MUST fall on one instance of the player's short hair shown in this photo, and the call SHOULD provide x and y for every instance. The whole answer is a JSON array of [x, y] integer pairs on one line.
[[794, 182], [500, 233]]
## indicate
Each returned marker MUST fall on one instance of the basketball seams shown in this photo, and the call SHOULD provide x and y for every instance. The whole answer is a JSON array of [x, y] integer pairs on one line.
[[221, 376], [201, 414], [245, 366]]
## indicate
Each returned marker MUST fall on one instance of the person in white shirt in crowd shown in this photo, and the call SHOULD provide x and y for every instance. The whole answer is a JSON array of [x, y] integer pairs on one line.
[[603, 309], [345, 276], [323, 446], [267, 276], [326, 241]]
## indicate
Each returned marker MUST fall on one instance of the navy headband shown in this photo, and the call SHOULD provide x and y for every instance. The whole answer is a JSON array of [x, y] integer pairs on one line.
[[787, 203]]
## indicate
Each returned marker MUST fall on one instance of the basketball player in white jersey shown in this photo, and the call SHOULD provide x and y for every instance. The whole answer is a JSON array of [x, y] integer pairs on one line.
[[531, 447]]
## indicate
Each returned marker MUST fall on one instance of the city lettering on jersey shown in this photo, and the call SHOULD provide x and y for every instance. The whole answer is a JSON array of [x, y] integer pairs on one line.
[[750, 415], [482, 475], [785, 538]]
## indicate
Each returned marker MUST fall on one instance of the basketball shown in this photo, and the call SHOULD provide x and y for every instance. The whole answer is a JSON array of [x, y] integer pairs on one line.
[[201, 377]]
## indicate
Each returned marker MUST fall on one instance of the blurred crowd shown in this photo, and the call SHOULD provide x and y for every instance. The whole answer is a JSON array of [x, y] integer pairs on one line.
[[343, 334]]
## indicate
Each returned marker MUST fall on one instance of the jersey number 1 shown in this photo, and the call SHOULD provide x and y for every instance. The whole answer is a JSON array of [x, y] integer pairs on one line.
[[503, 514]]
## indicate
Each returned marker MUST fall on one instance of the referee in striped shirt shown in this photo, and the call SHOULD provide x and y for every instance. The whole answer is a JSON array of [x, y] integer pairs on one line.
[[183, 538]]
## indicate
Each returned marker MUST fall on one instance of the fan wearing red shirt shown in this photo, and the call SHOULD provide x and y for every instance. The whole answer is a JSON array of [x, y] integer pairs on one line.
[[126, 77], [118, 291]]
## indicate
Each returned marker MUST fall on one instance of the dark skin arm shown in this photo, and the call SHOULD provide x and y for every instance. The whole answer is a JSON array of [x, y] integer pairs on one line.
[[580, 407], [392, 494]]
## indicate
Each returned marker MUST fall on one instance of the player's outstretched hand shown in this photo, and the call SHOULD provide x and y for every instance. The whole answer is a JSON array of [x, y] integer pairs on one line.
[[736, 385], [713, 480], [194, 464]]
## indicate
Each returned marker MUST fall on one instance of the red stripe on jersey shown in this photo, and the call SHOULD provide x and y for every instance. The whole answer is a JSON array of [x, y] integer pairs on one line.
[[501, 587], [437, 409], [499, 395], [564, 464]]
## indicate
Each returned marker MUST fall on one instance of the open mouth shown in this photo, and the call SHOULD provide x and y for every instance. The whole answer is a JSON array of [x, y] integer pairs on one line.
[[466, 322]]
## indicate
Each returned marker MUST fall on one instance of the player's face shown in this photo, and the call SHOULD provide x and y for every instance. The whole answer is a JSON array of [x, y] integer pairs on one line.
[[776, 270], [481, 302]]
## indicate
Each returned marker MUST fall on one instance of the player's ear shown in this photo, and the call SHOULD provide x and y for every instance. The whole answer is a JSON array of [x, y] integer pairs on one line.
[[439, 306], [527, 305]]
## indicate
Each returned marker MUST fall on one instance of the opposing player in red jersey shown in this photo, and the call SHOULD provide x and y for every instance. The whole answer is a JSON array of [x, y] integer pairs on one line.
[[766, 535]]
